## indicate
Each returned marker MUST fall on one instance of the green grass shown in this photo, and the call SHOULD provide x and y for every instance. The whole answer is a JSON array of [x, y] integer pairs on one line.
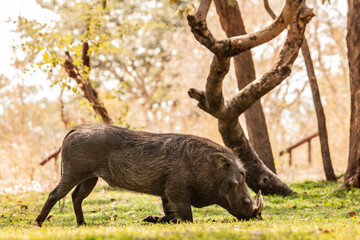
[[317, 212]]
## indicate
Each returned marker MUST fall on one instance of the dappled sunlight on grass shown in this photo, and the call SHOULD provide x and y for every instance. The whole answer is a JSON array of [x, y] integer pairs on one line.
[[316, 212]]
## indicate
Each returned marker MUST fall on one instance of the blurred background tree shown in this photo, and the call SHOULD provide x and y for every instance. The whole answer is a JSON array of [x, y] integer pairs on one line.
[[128, 45], [143, 60]]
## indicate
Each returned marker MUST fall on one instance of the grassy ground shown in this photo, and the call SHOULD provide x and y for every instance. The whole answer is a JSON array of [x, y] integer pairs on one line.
[[317, 212]]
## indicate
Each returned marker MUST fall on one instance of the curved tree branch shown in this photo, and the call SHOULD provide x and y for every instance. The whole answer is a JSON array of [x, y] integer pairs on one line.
[[212, 101], [231, 22], [234, 45], [282, 68], [259, 87]]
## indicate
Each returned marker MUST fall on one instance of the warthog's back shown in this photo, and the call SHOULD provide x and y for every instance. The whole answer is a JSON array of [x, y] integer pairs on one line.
[[133, 160]]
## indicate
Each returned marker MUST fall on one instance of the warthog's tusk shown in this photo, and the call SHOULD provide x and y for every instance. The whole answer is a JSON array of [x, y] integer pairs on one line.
[[259, 205]]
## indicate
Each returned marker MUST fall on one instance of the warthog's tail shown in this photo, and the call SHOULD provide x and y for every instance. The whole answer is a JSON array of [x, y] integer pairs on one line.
[[70, 132], [61, 168], [61, 164]]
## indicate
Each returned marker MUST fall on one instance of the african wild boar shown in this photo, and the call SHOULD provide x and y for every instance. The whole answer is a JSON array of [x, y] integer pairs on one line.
[[183, 170]]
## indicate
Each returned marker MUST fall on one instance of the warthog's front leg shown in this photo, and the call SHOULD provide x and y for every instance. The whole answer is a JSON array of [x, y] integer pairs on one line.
[[167, 212], [175, 211]]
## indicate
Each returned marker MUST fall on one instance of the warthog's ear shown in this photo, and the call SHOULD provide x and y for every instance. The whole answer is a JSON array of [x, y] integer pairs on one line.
[[220, 160]]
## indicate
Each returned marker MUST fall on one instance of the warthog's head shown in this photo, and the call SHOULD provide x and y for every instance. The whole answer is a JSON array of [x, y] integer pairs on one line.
[[234, 195]]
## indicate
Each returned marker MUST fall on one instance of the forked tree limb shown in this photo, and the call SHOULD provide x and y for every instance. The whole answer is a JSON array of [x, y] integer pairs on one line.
[[231, 22], [214, 102], [259, 87], [227, 112], [234, 45], [281, 70]]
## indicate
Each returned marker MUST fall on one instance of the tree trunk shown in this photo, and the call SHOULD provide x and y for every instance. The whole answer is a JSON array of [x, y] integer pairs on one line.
[[227, 112], [320, 115], [352, 175], [259, 177], [232, 23]]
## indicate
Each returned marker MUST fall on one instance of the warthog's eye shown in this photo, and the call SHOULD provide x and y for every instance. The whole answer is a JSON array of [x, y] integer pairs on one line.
[[227, 165], [242, 176]]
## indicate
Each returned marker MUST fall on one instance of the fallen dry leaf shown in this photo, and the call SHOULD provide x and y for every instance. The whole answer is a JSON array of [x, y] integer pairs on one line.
[[351, 214], [23, 206]]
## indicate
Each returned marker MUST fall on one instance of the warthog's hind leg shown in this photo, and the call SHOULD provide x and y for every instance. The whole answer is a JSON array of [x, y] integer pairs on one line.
[[55, 195], [79, 194]]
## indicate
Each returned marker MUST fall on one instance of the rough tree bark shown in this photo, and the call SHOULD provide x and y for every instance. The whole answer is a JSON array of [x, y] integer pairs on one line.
[[232, 23], [320, 115], [212, 101], [352, 175]]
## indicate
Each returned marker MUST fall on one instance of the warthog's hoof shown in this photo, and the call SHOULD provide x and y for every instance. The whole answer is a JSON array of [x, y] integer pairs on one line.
[[152, 219], [39, 223], [82, 224]]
